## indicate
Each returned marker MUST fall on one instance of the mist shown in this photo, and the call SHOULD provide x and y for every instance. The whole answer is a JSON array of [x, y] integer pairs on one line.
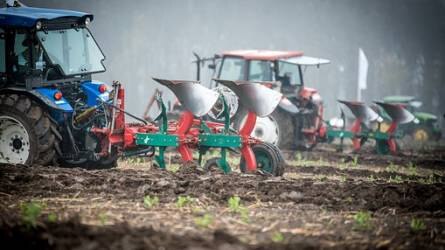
[[403, 40]]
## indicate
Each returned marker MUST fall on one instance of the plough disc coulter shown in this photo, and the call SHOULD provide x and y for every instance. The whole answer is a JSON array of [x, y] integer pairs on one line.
[[193, 133], [361, 129]]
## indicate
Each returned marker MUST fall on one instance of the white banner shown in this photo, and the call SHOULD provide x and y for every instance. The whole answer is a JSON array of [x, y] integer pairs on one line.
[[362, 73]]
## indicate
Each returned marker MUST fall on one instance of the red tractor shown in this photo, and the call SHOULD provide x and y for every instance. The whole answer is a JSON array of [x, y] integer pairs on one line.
[[297, 122]]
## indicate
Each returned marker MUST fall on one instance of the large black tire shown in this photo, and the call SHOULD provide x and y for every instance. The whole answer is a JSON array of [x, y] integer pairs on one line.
[[41, 129], [269, 159], [286, 129]]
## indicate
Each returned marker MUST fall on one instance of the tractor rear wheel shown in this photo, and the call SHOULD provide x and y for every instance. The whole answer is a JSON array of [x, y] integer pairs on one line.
[[422, 134], [269, 159], [27, 133], [286, 129], [277, 128]]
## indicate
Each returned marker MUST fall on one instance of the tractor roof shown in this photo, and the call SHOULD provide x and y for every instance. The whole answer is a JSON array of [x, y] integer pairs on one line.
[[27, 17], [269, 55]]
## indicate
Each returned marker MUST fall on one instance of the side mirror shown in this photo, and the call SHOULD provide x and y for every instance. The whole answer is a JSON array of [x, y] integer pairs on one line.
[[212, 66]]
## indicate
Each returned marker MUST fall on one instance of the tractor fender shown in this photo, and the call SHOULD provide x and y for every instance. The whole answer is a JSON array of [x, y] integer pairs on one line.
[[44, 96], [91, 89], [288, 106]]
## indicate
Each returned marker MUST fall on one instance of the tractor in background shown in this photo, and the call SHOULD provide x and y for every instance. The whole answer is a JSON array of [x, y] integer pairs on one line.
[[298, 120], [426, 125]]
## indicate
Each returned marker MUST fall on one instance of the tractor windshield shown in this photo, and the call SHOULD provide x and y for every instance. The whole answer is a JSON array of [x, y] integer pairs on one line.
[[74, 50], [233, 69]]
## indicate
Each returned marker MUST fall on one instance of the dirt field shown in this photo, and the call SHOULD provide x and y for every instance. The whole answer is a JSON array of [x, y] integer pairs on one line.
[[325, 200]]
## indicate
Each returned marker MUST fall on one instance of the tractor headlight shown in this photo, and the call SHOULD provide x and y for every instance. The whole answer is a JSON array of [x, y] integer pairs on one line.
[[38, 25], [87, 21]]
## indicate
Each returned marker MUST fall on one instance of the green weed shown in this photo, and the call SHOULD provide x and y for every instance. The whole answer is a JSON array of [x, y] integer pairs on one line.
[[103, 218], [355, 161], [277, 237], [362, 220], [417, 225], [396, 179], [183, 201], [173, 167], [391, 168], [235, 206], [412, 169], [204, 221], [150, 202], [298, 157], [52, 217], [31, 211]]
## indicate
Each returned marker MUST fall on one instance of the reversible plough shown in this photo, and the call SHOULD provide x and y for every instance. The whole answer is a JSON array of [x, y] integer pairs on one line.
[[192, 131], [368, 125]]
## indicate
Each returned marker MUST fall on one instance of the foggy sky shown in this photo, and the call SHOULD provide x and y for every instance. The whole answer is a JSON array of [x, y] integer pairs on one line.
[[404, 41]]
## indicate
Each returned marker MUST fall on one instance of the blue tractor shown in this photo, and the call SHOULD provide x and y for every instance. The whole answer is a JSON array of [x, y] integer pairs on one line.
[[48, 100]]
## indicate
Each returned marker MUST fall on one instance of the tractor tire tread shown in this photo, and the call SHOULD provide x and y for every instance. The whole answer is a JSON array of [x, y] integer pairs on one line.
[[40, 125]]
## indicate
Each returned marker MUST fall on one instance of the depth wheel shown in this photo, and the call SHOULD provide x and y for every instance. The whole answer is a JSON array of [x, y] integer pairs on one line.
[[27, 134], [269, 159]]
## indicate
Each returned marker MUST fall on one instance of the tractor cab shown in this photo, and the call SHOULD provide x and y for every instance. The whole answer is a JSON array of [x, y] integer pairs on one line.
[[298, 119], [43, 47], [47, 59], [284, 68]]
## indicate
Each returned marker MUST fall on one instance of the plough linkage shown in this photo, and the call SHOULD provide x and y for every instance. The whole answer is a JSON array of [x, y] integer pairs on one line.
[[192, 132], [362, 129]]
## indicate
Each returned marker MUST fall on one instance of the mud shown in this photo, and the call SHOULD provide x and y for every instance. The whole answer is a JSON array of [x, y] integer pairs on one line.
[[314, 205]]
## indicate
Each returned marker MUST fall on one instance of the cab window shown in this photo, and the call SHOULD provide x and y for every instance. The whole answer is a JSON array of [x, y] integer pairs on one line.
[[233, 69], [288, 73], [260, 71]]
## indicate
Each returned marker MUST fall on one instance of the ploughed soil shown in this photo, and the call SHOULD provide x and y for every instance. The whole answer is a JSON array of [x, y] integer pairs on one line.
[[325, 200]]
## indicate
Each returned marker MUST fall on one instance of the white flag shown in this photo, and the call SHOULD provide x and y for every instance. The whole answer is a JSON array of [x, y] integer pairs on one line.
[[362, 73]]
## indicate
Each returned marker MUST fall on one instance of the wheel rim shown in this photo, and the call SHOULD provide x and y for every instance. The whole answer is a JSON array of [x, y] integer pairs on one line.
[[14, 141], [420, 135], [263, 161], [266, 129]]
